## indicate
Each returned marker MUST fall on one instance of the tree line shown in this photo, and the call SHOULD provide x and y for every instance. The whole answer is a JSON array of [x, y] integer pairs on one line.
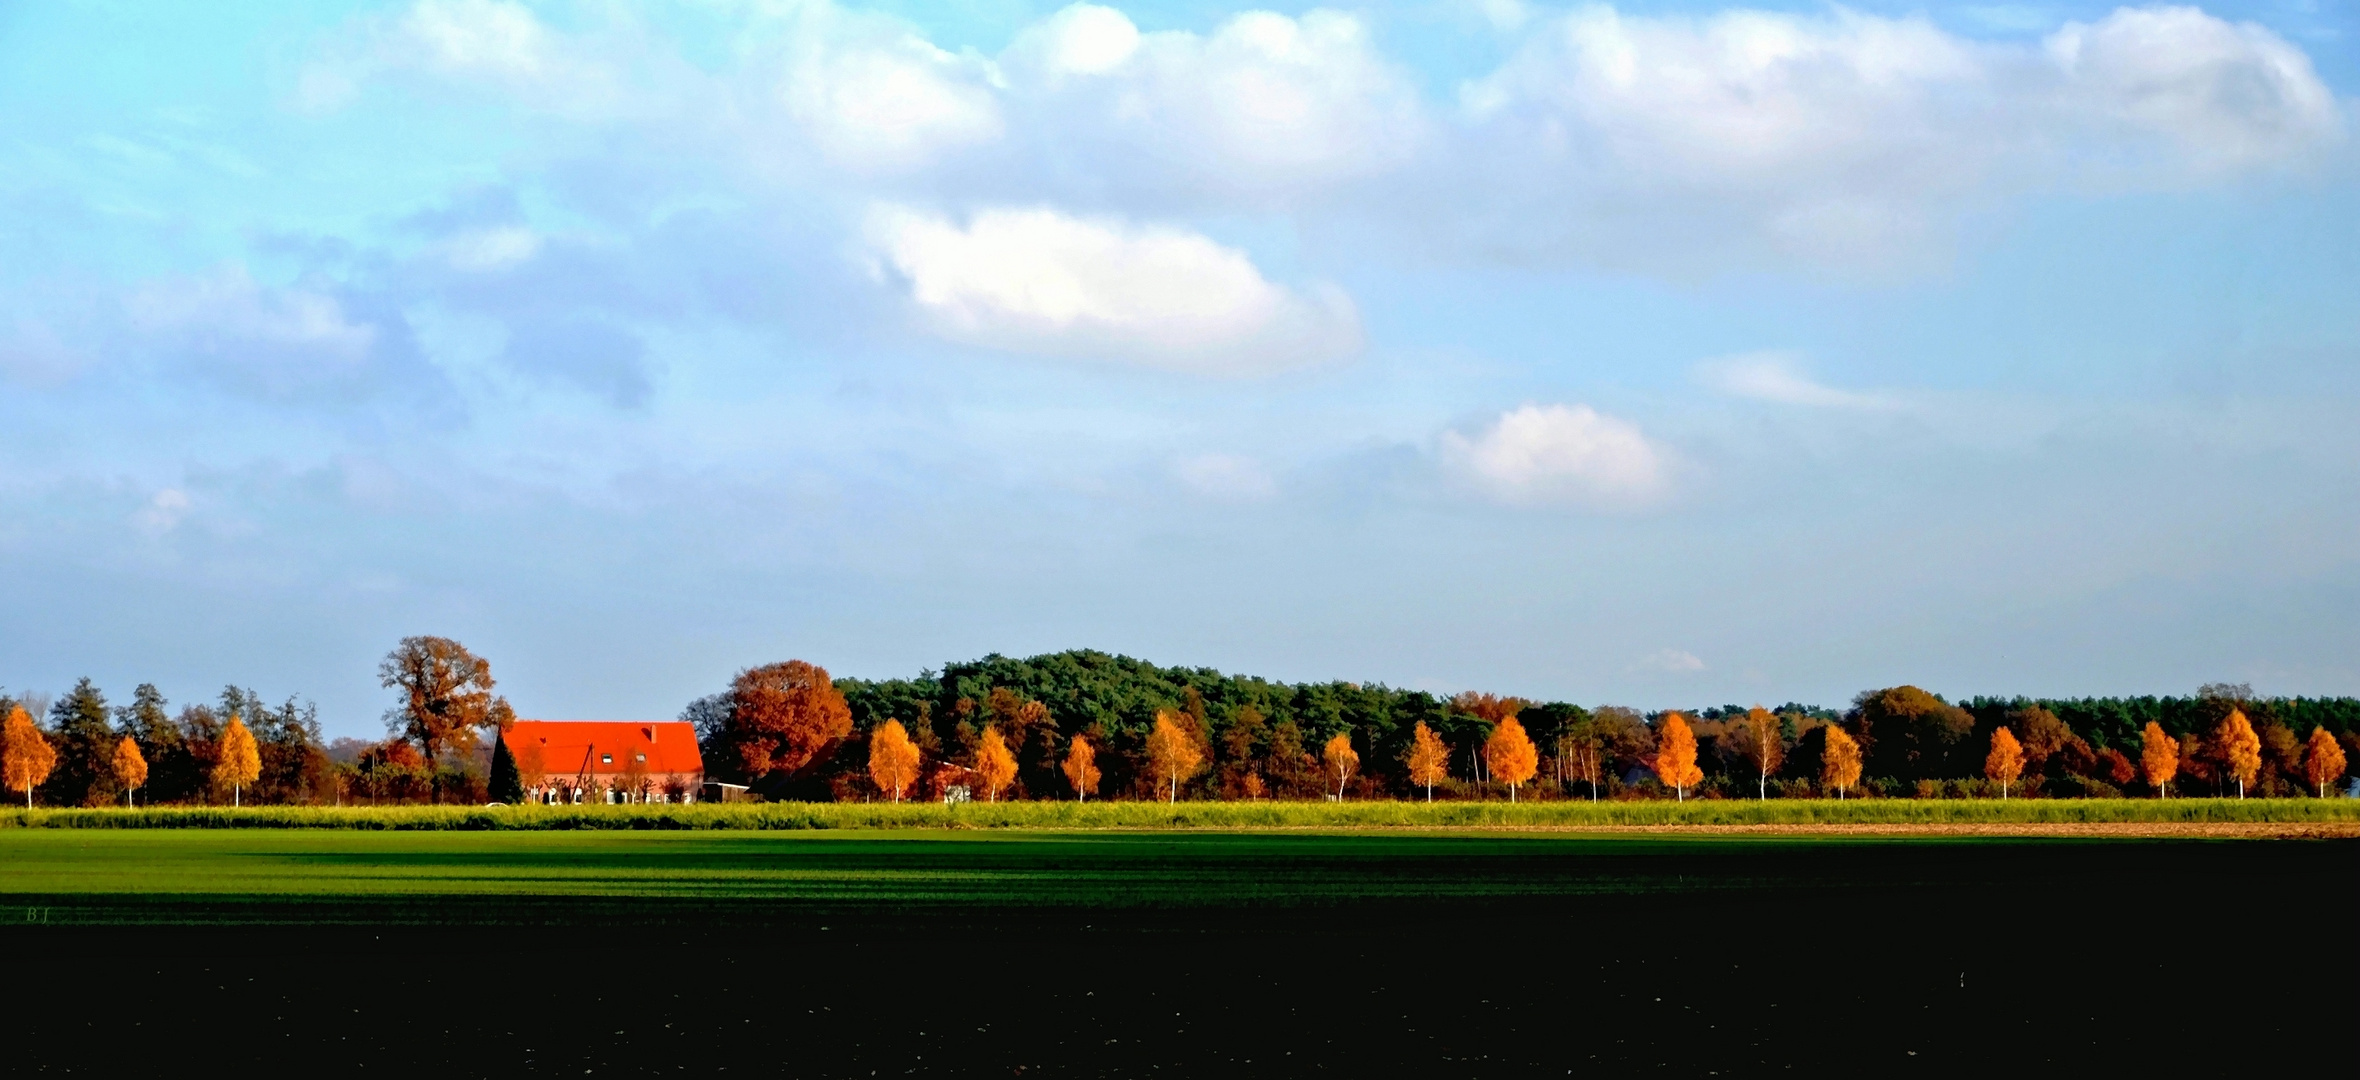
[[1086, 724]]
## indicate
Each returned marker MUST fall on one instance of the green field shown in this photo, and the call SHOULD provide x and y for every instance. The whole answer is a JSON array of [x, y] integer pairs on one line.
[[1209, 815], [318, 875]]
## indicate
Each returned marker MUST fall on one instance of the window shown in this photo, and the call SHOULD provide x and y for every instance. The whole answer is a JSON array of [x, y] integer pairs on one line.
[[606, 759], [639, 757]]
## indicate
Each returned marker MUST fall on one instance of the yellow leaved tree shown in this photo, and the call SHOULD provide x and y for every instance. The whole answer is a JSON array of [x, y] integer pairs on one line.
[[1675, 754], [2159, 758], [25, 754], [1839, 764], [893, 758], [240, 762], [994, 765], [2323, 760], [1341, 759], [1510, 755], [1081, 768], [2006, 761], [1172, 754], [1762, 741], [129, 767], [2241, 748], [1429, 760]]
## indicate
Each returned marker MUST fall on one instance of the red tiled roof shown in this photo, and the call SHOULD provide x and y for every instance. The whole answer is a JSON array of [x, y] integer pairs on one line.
[[607, 745]]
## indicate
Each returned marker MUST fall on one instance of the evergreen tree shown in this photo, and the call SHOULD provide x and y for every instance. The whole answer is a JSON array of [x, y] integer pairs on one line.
[[507, 783], [82, 731]]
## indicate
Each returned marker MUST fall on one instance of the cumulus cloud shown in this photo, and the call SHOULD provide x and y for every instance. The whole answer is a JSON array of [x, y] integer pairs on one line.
[[281, 335], [1777, 377], [1570, 454], [1671, 662], [1045, 283], [1227, 476], [872, 96], [482, 42], [1263, 104], [1852, 138], [163, 512]]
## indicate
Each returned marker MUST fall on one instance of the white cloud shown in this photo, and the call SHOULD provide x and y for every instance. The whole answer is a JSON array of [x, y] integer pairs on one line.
[[1227, 476], [1671, 661], [163, 512], [1852, 138], [874, 97], [1041, 282], [1263, 104], [479, 37], [1775, 377], [1560, 454], [485, 250], [278, 340]]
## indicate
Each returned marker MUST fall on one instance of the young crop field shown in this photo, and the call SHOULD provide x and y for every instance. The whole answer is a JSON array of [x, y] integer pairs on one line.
[[1212, 815]]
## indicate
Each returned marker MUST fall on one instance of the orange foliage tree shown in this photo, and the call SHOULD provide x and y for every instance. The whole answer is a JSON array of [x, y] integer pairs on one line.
[[129, 767], [994, 765], [782, 715], [1763, 745], [240, 761], [2240, 748], [893, 758], [1341, 759], [446, 695], [1839, 763], [1081, 768], [1675, 754], [1172, 754], [25, 754], [1429, 760], [2159, 758], [2323, 760], [2006, 761], [1510, 755]]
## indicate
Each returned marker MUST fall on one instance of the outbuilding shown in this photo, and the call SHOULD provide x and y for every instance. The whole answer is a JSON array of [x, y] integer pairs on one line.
[[607, 761]]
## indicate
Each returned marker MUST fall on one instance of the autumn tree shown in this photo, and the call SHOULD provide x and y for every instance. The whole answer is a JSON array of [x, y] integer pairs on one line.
[[994, 765], [1172, 754], [129, 767], [1429, 760], [1081, 768], [2323, 760], [1675, 754], [1341, 760], [781, 716], [893, 758], [2006, 760], [2159, 758], [1510, 755], [1839, 763], [238, 760], [2241, 749], [446, 696], [25, 754], [1762, 742]]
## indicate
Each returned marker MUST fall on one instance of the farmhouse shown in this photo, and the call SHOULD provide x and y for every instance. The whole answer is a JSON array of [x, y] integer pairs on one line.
[[577, 761]]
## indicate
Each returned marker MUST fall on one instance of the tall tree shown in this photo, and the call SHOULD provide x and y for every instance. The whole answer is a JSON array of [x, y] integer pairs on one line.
[[1081, 768], [25, 754], [1909, 734], [446, 695], [506, 784], [1341, 760], [994, 765], [2241, 749], [1839, 764], [1675, 754], [2005, 762], [82, 730], [1172, 755], [893, 758], [783, 715], [1429, 760], [240, 761], [2159, 758], [130, 769], [1762, 742], [1510, 755], [2323, 760]]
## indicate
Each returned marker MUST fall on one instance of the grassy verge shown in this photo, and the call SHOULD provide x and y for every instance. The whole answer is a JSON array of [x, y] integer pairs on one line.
[[1257, 815]]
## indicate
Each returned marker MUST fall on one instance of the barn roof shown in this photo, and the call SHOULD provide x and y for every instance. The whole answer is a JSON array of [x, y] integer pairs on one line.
[[607, 745]]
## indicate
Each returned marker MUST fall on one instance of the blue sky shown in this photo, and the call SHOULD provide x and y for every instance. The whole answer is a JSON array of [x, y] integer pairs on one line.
[[1647, 354]]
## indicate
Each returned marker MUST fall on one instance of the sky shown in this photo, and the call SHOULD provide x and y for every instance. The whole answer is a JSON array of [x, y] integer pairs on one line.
[[1649, 354]]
